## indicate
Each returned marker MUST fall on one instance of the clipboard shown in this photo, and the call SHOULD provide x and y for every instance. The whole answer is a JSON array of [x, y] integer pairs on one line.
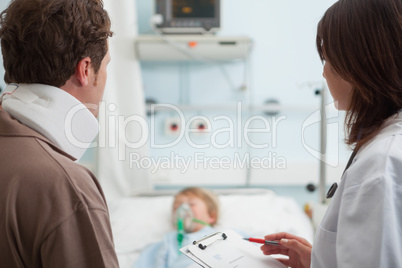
[[228, 250]]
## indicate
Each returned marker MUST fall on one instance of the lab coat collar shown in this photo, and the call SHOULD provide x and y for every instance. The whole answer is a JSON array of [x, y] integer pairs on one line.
[[54, 113], [391, 126]]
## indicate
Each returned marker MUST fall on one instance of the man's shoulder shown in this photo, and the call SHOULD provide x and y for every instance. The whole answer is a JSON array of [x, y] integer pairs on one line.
[[27, 157], [81, 180], [39, 169]]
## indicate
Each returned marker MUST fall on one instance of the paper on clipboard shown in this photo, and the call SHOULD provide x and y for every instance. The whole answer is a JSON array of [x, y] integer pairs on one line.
[[229, 252]]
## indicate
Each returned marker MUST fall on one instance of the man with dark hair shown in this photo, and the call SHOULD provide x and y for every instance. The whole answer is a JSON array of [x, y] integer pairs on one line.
[[52, 210]]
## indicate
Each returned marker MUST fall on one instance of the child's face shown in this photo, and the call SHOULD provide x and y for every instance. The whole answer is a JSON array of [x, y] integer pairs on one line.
[[198, 207]]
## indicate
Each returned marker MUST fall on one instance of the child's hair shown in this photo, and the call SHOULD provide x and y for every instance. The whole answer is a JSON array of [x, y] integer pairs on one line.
[[210, 199]]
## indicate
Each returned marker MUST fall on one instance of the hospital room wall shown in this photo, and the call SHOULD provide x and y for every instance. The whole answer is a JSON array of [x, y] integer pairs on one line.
[[283, 66]]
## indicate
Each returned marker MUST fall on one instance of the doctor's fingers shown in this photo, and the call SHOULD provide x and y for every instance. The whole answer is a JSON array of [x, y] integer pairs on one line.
[[284, 235], [269, 250], [304, 251]]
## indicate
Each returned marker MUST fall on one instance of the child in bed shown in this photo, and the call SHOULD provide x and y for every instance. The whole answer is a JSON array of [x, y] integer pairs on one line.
[[195, 212]]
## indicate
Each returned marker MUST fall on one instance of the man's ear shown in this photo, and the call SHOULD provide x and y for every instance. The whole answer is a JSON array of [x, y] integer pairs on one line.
[[83, 70]]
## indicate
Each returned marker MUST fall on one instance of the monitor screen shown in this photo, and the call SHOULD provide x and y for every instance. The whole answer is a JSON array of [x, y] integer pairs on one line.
[[189, 16], [193, 8]]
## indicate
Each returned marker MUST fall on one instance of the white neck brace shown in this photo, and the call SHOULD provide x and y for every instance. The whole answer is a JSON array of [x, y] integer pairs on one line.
[[54, 113]]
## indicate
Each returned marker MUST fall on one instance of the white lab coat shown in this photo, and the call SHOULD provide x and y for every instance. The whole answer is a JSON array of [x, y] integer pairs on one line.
[[363, 224]]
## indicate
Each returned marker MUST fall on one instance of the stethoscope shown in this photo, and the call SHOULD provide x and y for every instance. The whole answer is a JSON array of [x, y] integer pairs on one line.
[[334, 186]]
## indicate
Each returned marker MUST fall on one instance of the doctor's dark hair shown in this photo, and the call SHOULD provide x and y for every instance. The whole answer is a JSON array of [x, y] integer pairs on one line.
[[42, 41], [362, 39]]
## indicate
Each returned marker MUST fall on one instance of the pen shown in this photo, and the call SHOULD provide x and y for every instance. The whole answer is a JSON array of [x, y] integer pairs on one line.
[[262, 241]]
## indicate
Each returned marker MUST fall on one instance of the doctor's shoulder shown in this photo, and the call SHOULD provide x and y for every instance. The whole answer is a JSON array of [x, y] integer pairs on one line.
[[378, 160]]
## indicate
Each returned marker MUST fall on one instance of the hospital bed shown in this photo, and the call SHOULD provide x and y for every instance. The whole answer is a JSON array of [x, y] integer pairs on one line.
[[143, 219]]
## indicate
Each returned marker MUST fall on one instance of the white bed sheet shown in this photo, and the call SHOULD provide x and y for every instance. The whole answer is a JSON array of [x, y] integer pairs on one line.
[[141, 220]]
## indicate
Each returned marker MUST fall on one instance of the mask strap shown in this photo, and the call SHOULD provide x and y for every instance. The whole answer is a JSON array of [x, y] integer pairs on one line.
[[201, 222]]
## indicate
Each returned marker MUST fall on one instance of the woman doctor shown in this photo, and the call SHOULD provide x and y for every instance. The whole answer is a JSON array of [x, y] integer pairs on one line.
[[360, 44]]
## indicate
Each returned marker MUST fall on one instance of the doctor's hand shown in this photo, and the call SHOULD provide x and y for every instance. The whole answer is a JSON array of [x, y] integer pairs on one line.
[[296, 248]]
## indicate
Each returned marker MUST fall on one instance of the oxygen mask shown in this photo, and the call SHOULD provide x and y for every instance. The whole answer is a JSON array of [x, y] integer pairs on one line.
[[184, 218], [185, 221]]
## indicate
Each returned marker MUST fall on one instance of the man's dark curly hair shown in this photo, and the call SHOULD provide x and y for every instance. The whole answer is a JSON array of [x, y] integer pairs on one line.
[[42, 41]]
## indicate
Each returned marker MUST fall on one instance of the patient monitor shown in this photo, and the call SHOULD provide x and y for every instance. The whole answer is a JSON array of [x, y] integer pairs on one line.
[[188, 16]]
